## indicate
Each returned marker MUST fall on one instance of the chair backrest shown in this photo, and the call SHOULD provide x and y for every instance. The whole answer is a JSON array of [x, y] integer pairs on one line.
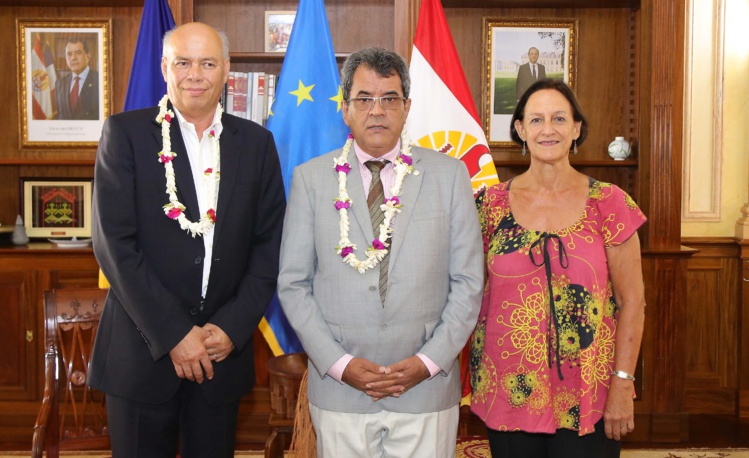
[[73, 415]]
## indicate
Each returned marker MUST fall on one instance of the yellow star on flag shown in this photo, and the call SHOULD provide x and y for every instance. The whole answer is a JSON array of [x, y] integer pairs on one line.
[[338, 98], [302, 93]]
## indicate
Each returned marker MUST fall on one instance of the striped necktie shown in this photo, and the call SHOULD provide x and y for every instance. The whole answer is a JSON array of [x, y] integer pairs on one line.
[[375, 198]]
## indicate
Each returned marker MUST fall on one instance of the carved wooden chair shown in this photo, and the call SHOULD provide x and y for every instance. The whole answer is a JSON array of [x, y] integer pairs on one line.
[[73, 415], [286, 372]]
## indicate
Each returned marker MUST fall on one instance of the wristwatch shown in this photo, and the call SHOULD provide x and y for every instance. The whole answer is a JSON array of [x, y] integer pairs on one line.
[[623, 375]]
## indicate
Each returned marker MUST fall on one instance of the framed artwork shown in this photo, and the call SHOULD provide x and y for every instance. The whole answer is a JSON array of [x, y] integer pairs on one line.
[[56, 207], [278, 25], [517, 53], [64, 75]]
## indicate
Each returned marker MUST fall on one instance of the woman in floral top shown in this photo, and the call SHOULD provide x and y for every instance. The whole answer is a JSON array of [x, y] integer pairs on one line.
[[551, 373]]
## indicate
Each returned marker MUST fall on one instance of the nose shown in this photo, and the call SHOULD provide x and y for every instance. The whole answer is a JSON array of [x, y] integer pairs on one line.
[[194, 73], [376, 109]]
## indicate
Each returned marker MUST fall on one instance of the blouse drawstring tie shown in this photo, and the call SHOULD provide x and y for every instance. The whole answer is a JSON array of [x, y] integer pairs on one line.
[[542, 243]]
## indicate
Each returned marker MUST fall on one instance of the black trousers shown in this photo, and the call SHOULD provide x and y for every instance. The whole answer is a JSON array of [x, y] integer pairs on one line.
[[563, 444], [185, 421]]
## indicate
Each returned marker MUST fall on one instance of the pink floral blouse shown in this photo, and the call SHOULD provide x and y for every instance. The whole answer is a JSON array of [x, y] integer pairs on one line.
[[537, 364]]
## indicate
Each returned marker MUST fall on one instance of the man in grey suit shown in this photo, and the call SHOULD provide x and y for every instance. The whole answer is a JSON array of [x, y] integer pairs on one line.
[[383, 294]]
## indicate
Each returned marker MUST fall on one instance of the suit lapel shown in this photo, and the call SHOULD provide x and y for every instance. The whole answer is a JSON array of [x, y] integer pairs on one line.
[[229, 143], [408, 196], [186, 192], [356, 194], [65, 98]]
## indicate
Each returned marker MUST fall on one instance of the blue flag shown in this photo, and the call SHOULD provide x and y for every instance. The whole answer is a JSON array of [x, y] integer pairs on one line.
[[306, 121], [146, 86]]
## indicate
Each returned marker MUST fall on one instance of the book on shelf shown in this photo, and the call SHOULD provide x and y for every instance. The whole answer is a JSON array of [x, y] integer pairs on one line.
[[249, 95], [230, 85]]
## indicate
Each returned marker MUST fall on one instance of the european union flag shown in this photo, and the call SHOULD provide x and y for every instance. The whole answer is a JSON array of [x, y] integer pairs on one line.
[[146, 86], [306, 121]]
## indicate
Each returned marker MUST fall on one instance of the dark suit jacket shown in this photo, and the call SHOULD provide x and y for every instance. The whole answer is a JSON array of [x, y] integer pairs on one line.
[[155, 267], [525, 79], [87, 106]]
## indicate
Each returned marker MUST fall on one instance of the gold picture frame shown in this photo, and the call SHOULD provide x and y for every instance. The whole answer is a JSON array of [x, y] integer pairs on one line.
[[57, 207], [51, 54], [278, 25], [507, 45]]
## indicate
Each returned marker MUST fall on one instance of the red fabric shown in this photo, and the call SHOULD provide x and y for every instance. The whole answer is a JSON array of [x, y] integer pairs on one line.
[[434, 41], [74, 93]]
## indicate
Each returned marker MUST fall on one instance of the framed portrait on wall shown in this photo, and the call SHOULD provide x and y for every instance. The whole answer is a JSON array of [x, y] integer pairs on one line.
[[64, 79], [56, 207], [517, 53]]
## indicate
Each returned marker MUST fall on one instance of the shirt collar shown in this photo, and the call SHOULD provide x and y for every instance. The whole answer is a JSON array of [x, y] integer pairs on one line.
[[391, 156], [215, 125], [83, 74]]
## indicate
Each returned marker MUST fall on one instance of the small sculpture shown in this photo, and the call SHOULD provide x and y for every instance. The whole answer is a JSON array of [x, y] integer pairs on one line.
[[19, 236], [619, 149]]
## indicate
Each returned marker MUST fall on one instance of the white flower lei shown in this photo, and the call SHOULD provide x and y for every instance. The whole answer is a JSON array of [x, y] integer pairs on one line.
[[379, 246], [175, 209]]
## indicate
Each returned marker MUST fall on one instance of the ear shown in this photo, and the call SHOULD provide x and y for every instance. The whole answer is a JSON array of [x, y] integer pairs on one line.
[[163, 67], [345, 108], [519, 129], [227, 66], [578, 125]]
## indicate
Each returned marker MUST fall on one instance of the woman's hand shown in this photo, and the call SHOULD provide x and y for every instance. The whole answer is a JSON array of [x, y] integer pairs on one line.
[[618, 413]]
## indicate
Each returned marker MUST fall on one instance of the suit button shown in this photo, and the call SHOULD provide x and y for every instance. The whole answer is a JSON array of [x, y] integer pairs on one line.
[[198, 260], [372, 288], [193, 311]]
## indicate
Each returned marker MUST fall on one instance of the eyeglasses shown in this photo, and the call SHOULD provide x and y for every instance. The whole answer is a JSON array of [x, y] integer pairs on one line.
[[387, 102]]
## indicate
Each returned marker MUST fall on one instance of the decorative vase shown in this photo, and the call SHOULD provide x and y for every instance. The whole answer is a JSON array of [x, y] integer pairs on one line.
[[619, 149], [19, 236]]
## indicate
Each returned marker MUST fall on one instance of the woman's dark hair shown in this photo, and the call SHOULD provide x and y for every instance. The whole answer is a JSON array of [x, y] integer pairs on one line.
[[562, 88]]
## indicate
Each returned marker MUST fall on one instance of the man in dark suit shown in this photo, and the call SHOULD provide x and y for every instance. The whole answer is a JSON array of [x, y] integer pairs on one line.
[[529, 73], [192, 260], [78, 92]]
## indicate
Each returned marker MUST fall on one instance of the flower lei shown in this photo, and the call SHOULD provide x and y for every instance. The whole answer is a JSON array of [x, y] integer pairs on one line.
[[175, 209], [379, 247]]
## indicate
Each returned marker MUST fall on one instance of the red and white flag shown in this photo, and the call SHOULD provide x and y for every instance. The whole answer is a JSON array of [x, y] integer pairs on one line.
[[42, 81], [443, 116]]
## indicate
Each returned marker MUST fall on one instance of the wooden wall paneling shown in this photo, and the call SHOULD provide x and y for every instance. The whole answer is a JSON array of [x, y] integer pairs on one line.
[[182, 10], [743, 331], [9, 196], [18, 367], [405, 20], [661, 121], [663, 346], [353, 25], [712, 341], [661, 28]]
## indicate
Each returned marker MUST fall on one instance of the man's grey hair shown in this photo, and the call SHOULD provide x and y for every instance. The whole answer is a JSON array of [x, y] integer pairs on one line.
[[222, 35], [385, 63]]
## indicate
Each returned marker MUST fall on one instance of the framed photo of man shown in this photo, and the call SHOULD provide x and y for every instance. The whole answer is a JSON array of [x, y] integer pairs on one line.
[[63, 81], [519, 52]]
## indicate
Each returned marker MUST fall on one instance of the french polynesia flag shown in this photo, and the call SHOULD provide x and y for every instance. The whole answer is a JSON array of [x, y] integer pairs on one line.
[[443, 116]]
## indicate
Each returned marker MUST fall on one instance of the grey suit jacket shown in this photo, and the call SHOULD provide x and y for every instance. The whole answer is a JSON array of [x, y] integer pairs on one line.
[[435, 280]]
